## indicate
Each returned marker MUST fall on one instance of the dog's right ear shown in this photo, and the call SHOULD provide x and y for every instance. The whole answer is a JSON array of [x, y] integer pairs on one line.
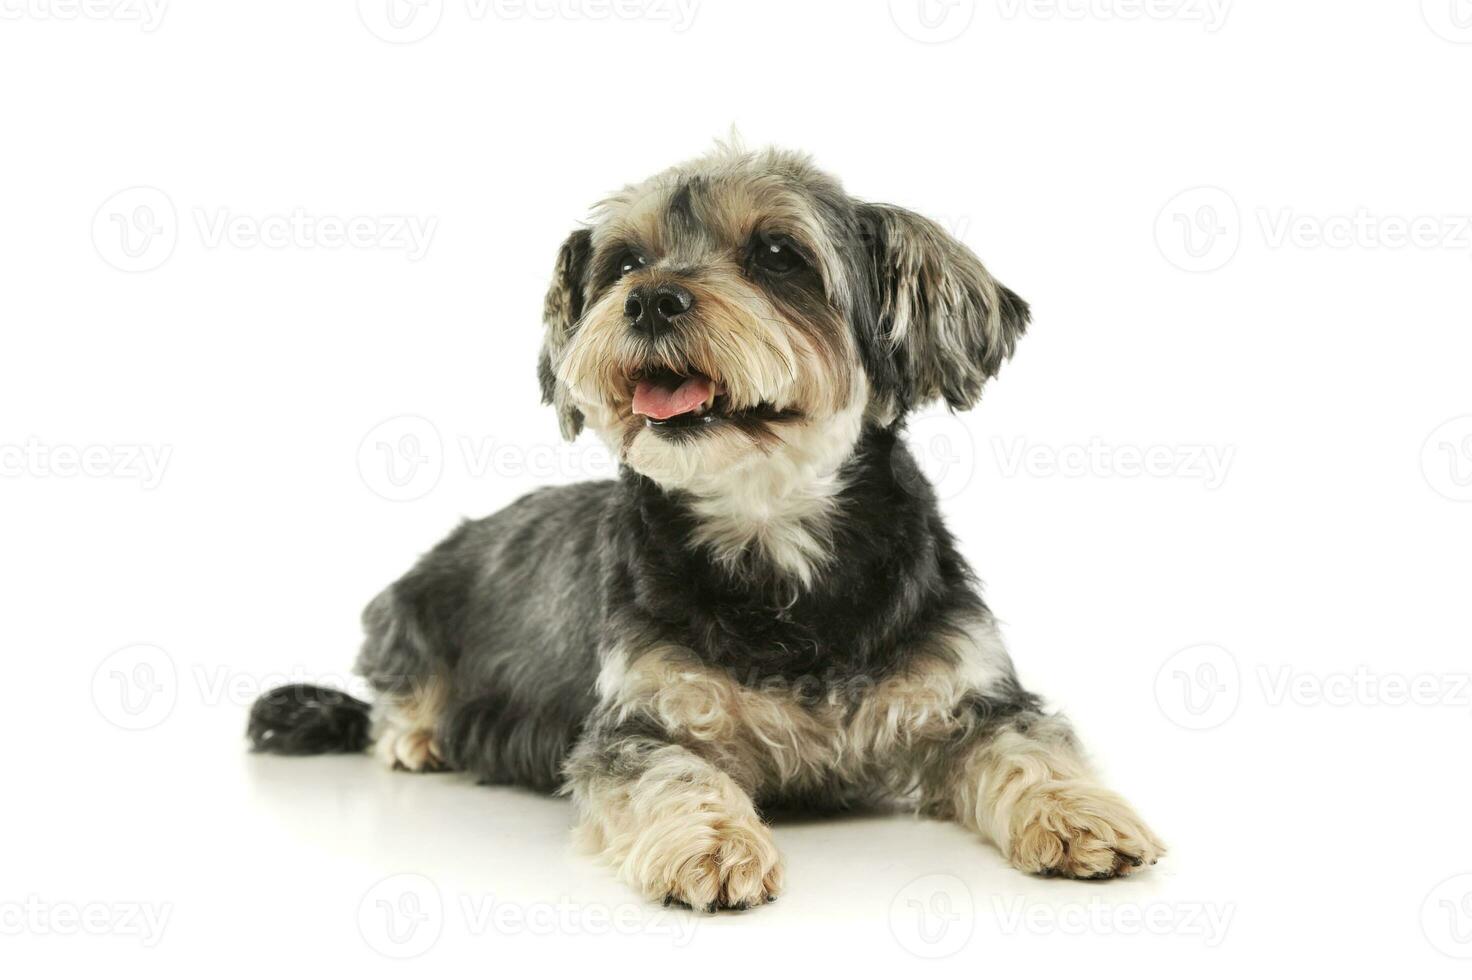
[[560, 314]]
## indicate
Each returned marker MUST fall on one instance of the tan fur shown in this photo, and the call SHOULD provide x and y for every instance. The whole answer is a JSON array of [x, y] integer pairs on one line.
[[745, 192], [1030, 791], [761, 492], [733, 334], [777, 738], [1025, 786], [681, 830], [736, 337], [404, 729], [763, 498]]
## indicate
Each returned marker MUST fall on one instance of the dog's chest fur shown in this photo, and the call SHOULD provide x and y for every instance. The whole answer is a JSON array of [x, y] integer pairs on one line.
[[801, 687], [887, 578], [805, 736]]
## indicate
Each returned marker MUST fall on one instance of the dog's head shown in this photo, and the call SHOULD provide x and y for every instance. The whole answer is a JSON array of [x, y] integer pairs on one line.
[[743, 307]]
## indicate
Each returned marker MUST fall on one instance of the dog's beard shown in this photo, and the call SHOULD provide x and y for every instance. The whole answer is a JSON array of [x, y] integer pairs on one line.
[[758, 384]]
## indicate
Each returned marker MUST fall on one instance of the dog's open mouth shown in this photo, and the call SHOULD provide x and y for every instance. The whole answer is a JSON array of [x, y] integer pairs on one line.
[[683, 400], [667, 398]]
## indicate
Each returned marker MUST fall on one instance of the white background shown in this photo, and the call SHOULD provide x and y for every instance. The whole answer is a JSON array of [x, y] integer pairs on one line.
[[1208, 208]]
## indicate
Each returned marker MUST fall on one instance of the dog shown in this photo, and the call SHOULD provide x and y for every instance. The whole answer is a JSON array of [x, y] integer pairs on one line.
[[765, 608]]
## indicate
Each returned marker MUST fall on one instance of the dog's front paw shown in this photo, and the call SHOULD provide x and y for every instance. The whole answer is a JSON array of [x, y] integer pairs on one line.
[[724, 865], [411, 749], [1078, 830]]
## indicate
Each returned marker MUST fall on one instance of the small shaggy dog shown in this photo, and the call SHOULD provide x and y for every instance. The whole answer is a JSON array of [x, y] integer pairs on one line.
[[765, 608]]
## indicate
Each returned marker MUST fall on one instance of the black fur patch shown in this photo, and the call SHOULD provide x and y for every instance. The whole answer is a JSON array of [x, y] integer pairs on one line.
[[899, 580], [510, 611]]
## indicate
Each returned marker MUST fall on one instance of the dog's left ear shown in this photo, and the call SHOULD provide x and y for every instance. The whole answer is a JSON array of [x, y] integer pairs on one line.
[[941, 325], [560, 314]]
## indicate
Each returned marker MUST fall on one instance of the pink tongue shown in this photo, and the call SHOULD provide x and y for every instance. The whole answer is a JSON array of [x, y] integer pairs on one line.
[[660, 401]]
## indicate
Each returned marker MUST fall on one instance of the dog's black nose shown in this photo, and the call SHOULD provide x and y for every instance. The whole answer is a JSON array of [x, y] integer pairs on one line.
[[652, 311]]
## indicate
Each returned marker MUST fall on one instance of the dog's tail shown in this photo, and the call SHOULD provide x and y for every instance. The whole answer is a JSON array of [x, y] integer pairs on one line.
[[304, 719]]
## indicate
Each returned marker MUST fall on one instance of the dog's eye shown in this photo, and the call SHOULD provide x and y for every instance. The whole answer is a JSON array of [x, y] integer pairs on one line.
[[776, 255], [630, 261]]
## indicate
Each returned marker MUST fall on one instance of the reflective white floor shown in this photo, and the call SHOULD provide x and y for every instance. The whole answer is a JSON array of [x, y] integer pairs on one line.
[[188, 854]]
